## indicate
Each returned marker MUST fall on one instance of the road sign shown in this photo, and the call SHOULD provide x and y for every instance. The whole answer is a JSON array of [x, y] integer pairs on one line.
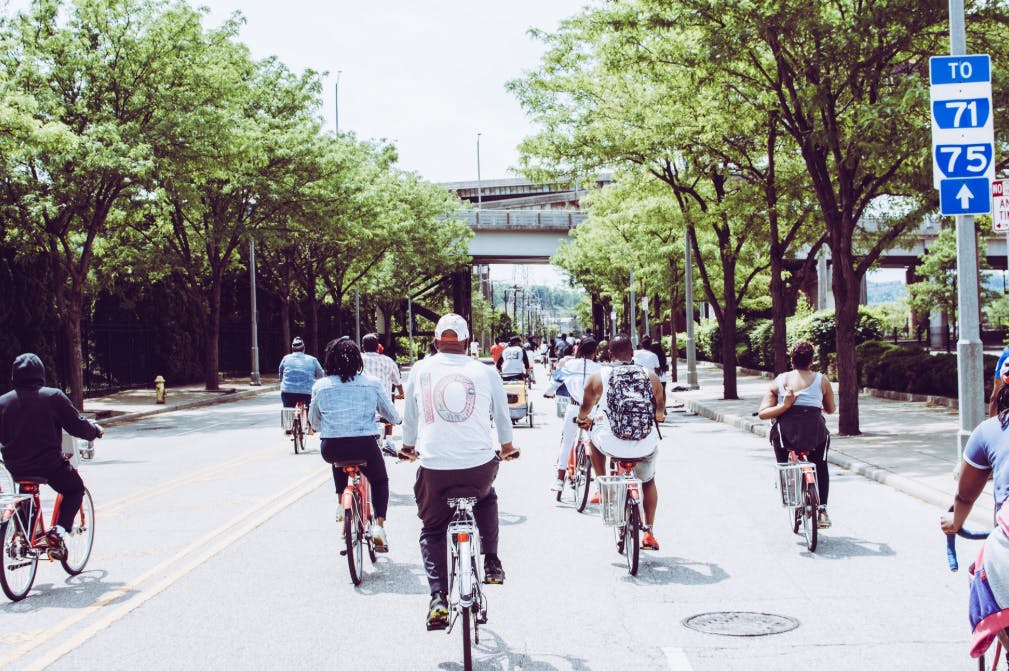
[[963, 132], [1000, 205]]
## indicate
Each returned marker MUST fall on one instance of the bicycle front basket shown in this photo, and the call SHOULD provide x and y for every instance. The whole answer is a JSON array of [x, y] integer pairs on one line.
[[287, 418], [790, 483], [612, 493]]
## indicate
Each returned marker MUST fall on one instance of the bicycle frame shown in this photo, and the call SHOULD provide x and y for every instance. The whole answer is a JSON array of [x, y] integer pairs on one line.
[[464, 545], [33, 527], [356, 482]]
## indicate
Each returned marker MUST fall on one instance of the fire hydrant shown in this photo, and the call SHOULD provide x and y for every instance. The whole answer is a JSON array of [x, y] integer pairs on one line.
[[159, 389]]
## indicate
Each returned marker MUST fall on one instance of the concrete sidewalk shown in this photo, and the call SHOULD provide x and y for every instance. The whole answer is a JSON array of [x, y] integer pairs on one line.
[[133, 404], [910, 446]]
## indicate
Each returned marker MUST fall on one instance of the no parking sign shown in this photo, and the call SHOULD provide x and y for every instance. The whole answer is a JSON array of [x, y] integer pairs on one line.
[[1000, 205]]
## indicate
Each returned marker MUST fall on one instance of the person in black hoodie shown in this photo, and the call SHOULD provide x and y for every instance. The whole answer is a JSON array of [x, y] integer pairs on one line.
[[32, 420]]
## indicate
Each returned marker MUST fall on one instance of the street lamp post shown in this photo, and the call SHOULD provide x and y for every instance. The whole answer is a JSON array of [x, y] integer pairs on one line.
[[634, 314], [336, 96], [479, 186], [254, 378]]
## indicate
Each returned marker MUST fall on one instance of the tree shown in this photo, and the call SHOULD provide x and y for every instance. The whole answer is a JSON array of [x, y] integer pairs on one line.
[[100, 75]]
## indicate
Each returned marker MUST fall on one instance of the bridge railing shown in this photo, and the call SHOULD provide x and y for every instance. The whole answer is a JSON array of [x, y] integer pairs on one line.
[[501, 220]]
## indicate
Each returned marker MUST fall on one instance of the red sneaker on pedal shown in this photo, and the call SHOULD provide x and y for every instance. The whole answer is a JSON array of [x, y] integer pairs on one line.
[[595, 497], [648, 541]]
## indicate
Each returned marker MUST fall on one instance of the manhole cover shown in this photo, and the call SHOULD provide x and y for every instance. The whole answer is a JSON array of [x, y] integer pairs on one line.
[[741, 623]]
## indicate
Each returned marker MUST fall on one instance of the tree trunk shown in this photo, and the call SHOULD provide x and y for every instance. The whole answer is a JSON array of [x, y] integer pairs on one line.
[[674, 351], [846, 293], [285, 320], [211, 355], [75, 360], [727, 325], [779, 341]]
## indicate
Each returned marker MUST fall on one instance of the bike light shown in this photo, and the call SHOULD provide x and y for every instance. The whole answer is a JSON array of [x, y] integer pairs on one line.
[[462, 537]]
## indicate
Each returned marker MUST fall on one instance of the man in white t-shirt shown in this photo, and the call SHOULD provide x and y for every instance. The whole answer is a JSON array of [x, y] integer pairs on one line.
[[446, 426], [573, 374], [646, 358], [513, 364], [594, 414]]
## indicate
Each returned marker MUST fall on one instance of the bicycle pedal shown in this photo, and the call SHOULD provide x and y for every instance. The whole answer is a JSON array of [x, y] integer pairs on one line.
[[343, 553]]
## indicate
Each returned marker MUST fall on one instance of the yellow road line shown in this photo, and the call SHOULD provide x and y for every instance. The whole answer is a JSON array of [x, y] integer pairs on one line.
[[133, 594]]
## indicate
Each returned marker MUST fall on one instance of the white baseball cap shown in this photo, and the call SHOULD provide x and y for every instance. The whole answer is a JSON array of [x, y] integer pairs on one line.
[[452, 322]]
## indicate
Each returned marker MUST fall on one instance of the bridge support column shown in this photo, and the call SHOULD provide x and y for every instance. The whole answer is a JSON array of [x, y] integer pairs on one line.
[[598, 317], [462, 295]]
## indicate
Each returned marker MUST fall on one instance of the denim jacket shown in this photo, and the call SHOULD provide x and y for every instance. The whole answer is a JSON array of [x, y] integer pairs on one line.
[[342, 409]]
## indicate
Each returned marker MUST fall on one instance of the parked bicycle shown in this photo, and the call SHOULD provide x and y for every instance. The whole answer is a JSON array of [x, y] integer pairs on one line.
[[799, 493], [24, 533], [578, 476], [465, 596], [620, 500]]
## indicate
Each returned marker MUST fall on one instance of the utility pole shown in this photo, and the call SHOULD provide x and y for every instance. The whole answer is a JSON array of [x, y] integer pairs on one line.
[[254, 377], [688, 290]]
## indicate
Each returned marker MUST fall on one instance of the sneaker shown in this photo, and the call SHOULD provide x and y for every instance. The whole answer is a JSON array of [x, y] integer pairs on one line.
[[648, 541], [595, 497], [437, 612], [54, 542], [824, 519], [381, 540], [493, 574], [558, 486], [339, 515]]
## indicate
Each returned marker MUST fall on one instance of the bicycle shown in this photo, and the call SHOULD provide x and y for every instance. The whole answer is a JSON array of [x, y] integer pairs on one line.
[[579, 473], [954, 567], [24, 536], [299, 426], [620, 500], [466, 598], [799, 493], [358, 518]]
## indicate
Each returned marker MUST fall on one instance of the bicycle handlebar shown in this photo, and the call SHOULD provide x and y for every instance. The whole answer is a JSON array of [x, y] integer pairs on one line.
[[954, 565]]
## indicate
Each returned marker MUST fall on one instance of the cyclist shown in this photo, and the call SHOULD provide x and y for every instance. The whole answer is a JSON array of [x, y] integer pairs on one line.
[[385, 370], [513, 364], [343, 409], [298, 372], [449, 402], [573, 374], [796, 401], [986, 454], [32, 420], [597, 413]]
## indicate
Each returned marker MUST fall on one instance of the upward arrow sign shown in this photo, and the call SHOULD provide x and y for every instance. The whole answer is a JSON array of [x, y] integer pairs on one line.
[[964, 195]]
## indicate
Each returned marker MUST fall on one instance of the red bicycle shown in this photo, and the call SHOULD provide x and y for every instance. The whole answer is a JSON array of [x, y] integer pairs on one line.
[[579, 472], [799, 493], [620, 499], [24, 537], [358, 518]]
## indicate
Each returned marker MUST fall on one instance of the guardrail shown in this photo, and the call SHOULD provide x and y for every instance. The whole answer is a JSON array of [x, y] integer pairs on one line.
[[543, 220]]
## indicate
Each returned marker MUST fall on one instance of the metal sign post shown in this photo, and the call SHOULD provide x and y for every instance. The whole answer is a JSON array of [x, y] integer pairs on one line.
[[963, 163]]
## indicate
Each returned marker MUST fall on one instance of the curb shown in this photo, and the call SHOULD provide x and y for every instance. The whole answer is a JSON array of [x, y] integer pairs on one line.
[[225, 397], [839, 458]]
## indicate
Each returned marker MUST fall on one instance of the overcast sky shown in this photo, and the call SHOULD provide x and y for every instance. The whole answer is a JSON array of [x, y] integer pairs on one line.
[[425, 74]]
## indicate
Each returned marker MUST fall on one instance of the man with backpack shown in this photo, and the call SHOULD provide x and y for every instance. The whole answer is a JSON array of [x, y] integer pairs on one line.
[[622, 407]]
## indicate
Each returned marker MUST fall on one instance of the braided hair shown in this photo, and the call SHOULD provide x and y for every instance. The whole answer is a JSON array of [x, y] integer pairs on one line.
[[343, 358], [1002, 403]]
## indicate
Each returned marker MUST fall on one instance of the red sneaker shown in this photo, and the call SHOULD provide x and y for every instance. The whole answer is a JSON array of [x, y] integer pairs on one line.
[[648, 541], [595, 498]]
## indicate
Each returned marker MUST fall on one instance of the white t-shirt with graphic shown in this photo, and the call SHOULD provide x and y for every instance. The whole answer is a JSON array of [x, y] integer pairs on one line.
[[449, 402]]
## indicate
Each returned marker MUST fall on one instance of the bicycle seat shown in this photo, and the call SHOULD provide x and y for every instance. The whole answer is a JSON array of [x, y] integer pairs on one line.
[[349, 462], [461, 492]]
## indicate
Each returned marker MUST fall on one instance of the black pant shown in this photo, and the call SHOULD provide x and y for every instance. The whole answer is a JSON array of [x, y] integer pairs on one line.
[[818, 457], [366, 449], [65, 480], [289, 398], [434, 512]]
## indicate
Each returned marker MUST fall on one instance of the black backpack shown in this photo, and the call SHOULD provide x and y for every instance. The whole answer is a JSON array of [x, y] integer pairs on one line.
[[630, 402]]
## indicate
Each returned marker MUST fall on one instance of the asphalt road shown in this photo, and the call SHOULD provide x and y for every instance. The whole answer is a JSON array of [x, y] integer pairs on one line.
[[216, 548]]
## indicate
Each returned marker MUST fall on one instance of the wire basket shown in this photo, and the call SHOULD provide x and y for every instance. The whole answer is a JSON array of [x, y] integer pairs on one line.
[[286, 418], [791, 481], [612, 495], [562, 406]]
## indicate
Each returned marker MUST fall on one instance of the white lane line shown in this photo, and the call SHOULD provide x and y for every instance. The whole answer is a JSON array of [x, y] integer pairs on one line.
[[136, 593], [677, 659]]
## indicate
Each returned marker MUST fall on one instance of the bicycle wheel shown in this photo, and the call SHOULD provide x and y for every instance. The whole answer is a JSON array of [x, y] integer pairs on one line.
[[631, 531], [298, 434], [353, 536], [583, 478], [796, 515], [467, 651], [809, 513], [81, 537], [371, 542], [529, 413], [19, 564]]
